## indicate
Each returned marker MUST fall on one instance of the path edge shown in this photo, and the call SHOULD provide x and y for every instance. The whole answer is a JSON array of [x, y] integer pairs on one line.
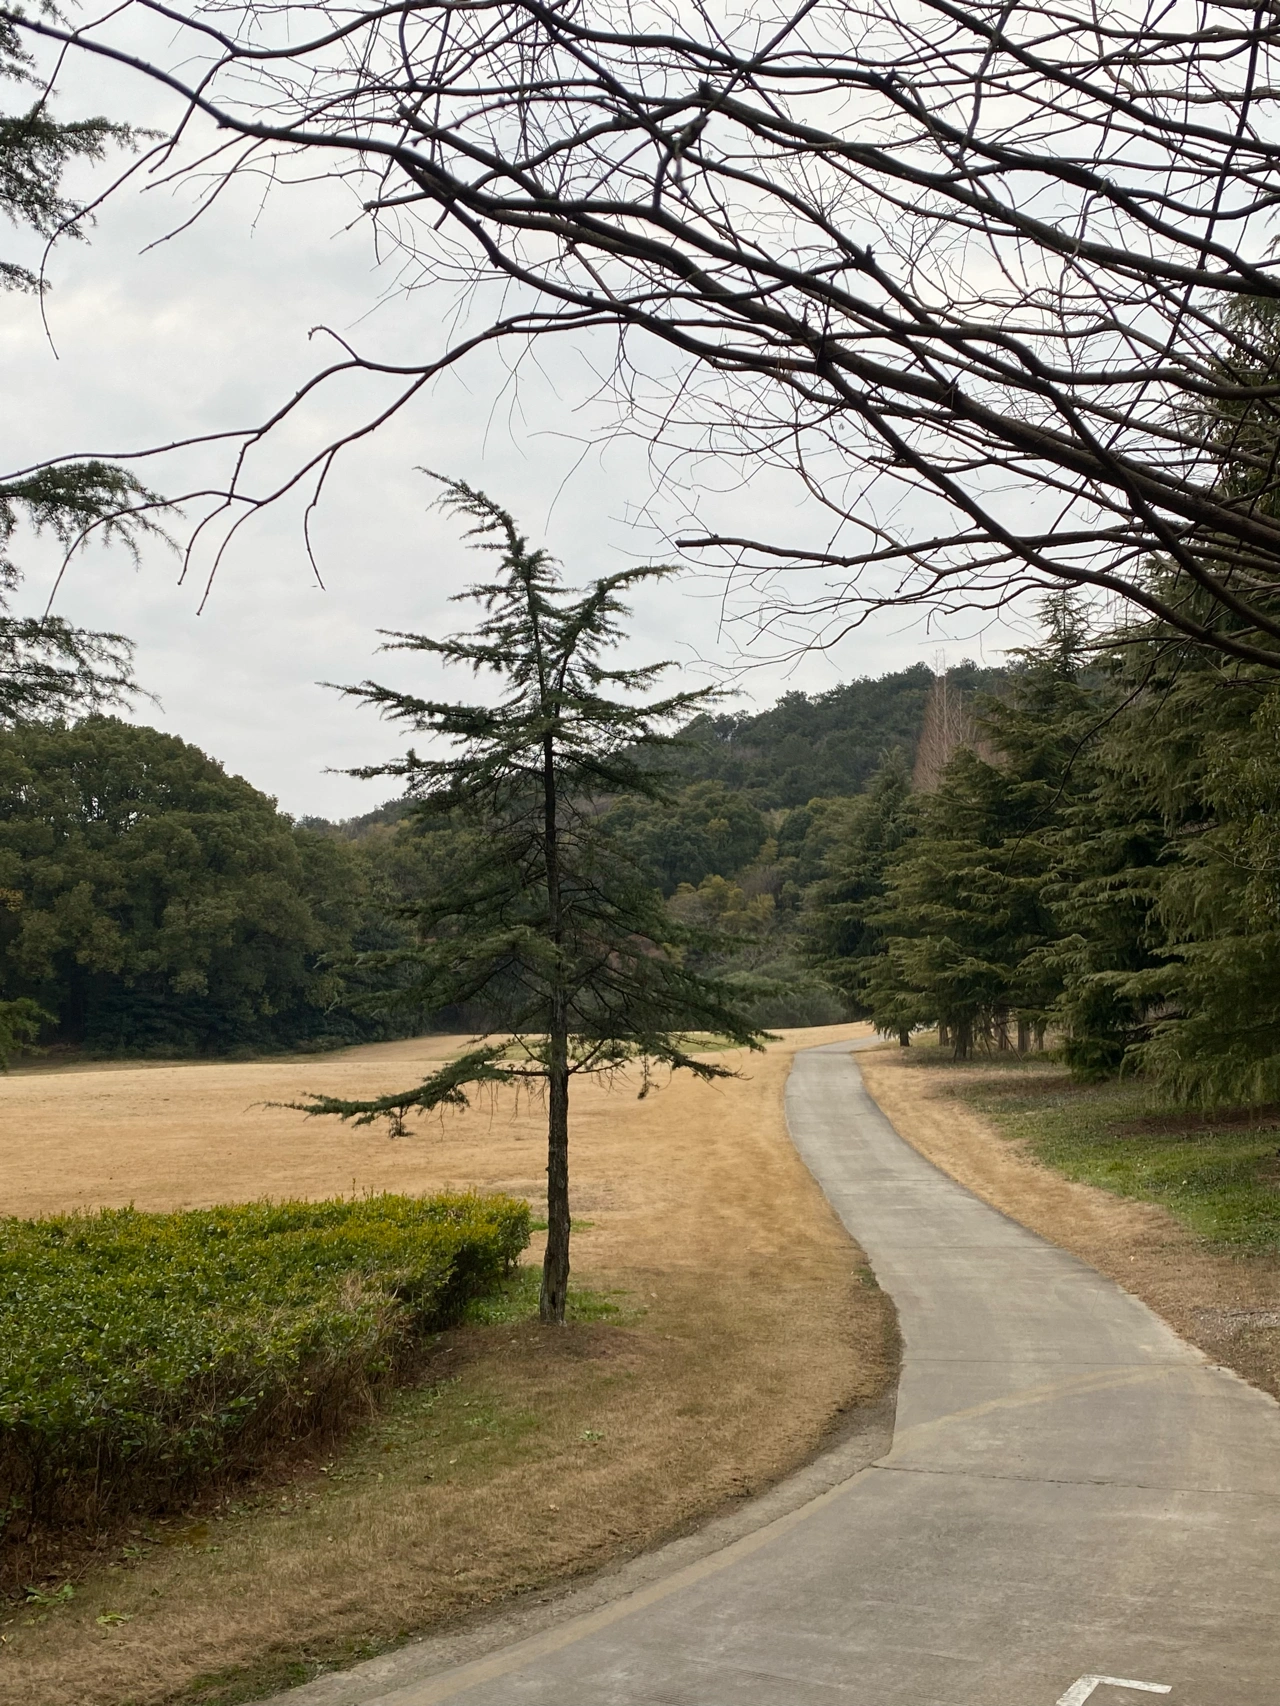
[[863, 1437]]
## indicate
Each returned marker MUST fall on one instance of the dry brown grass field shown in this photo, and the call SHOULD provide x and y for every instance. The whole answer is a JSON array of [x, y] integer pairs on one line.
[[745, 1328]]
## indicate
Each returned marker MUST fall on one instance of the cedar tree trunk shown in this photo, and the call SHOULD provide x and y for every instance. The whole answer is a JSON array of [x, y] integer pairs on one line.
[[555, 1264]]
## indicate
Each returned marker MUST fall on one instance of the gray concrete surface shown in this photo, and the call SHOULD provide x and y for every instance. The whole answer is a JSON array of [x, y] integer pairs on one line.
[[1074, 1500]]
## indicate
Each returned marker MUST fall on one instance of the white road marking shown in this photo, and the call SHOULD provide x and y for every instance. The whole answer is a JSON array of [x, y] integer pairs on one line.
[[1080, 1691]]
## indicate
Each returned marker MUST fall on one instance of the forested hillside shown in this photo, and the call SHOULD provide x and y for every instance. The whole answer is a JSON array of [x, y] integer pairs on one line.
[[828, 743], [150, 903]]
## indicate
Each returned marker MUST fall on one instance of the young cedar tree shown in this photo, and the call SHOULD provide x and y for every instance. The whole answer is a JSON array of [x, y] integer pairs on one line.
[[545, 925]]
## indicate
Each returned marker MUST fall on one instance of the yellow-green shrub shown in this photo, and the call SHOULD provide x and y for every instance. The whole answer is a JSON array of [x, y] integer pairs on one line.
[[143, 1355]]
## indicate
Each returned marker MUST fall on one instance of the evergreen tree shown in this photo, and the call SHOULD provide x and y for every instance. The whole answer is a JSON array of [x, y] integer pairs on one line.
[[841, 939], [581, 967], [35, 150], [48, 667], [1112, 848], [1174, 902], [1194, 758], [965, 929], [964, 912], [1052, 729]]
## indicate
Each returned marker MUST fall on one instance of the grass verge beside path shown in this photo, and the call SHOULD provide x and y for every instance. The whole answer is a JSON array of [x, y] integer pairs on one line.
[[724, 1326], [1216, 1173], [1182, 1209]]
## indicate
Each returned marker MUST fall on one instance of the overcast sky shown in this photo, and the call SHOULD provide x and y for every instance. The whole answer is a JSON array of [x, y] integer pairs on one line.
[[209, 332]]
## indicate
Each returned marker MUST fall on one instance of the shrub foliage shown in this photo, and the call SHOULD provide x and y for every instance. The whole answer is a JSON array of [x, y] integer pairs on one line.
[[143, 1356]]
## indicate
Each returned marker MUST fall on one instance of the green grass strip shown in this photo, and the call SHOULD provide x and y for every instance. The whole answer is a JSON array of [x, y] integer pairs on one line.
[[1219, 1173]]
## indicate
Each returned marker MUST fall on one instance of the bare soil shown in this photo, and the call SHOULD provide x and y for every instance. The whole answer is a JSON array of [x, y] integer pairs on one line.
[[1227, 1304], [747, 1328], [1175, 1125]]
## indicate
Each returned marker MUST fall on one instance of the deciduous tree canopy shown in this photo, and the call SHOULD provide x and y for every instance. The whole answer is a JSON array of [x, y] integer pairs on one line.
[[149, 902]]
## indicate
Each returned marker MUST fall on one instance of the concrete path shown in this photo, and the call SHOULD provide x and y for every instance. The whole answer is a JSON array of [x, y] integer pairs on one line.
[[1074, 1500]]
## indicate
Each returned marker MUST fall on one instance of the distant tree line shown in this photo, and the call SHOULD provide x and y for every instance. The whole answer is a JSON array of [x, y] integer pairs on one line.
[[151, 903], [1101, 873], [1110, 870]]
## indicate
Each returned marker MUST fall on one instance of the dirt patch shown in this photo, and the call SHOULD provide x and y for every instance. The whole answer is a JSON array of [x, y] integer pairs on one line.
[[1173, 1125], [1227, 1304], [746, 1329]]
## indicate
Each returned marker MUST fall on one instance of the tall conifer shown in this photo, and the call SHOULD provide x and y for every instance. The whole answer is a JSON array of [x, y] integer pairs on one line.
[[550, 927], [48, 667]]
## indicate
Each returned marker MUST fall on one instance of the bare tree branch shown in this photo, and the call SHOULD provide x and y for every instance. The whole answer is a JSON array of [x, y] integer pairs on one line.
[[973, 272]]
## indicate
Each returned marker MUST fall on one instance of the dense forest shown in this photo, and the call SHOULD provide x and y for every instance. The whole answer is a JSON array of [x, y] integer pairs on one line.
[[1105, 869], [151, 903], [1080, 850]]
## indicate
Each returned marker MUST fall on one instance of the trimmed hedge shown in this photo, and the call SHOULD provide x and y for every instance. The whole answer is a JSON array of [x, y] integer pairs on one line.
[[145, 1355]]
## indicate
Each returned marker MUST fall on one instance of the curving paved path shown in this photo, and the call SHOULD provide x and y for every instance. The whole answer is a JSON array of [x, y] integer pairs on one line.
[[1074, 1499]]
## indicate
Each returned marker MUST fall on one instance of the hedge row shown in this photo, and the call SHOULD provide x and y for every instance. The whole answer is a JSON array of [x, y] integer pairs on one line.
[[144, 1355]]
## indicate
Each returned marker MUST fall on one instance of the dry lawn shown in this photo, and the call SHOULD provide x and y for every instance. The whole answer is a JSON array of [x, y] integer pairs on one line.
[[747, 1328], [1227, 1304]]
